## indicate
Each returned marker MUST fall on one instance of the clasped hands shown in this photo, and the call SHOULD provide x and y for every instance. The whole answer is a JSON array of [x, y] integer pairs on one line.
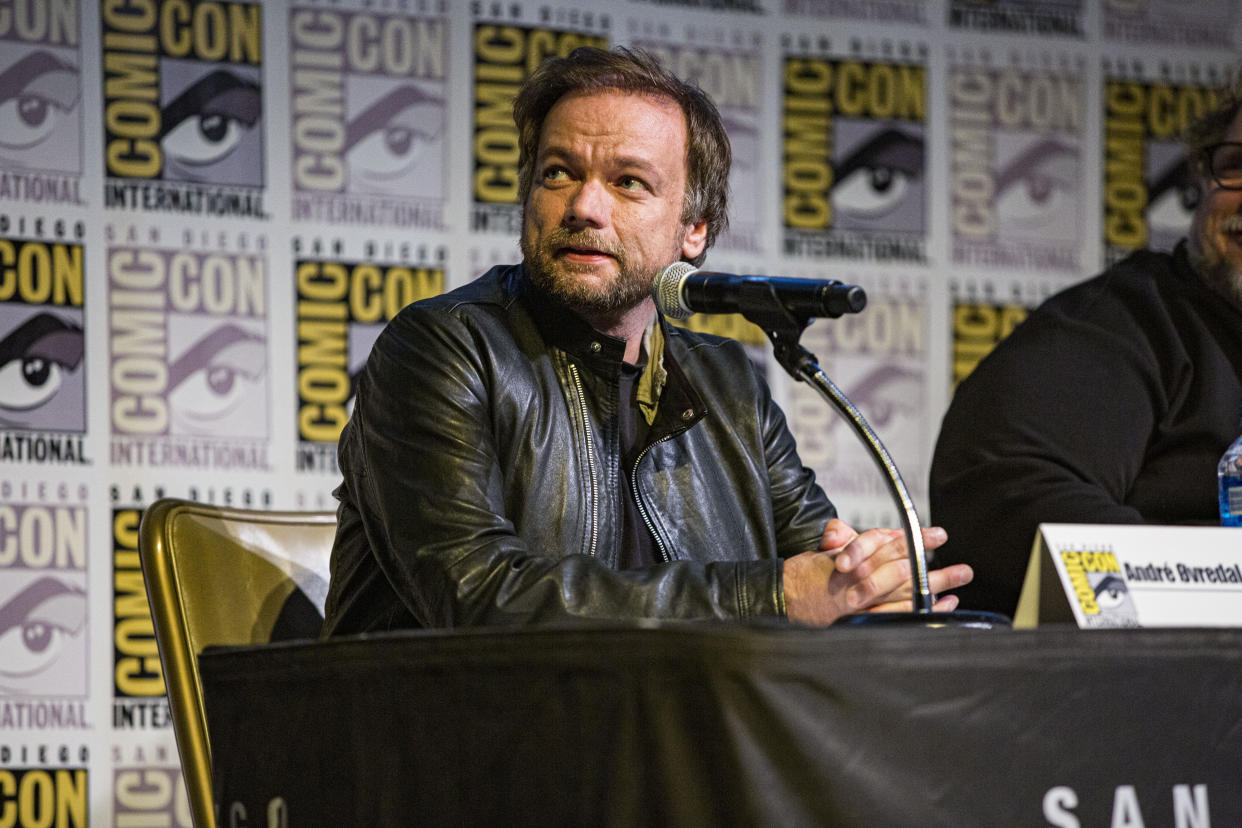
[[867, 572]]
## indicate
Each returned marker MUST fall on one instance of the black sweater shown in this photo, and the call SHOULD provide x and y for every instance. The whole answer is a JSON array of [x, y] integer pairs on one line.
[[1111, 403]]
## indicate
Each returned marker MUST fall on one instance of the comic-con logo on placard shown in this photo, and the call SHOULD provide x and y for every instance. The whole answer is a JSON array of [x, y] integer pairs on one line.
[[853, 157], [728, 67], [342, 306], [183, 107], [1033, 17], [40, 102], [137, 675], [1170, 23], [1150, 192], [504, 56], [1099, 588], [1016, 169], [43, 606], [188, 373], [42, 350], [368, 115]]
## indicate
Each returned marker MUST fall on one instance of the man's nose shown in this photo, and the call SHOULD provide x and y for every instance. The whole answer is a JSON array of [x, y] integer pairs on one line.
[[588, 206]]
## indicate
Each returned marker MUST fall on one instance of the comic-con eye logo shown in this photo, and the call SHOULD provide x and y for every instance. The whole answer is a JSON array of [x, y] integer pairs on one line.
[[1016, 166], [879, 360], [369, 108], [1100, 588], [342, 307], [215, 379], [189, 343], [42, 384], [1035, 189], [853, 158], [1150, 193], [854, 147], [393, 145], [42, 600], [209, 124], [503, 58], [369, 111], [879, 178], [42, 646], [40, 119], [42, 373], [887, 393], [182, 94]]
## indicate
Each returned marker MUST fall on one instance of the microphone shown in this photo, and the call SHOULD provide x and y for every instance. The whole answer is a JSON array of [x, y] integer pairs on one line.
[[682, 289]]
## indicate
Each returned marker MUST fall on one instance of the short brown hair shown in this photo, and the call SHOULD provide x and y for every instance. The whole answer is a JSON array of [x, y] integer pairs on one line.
[[1210, 128], [708, 155]]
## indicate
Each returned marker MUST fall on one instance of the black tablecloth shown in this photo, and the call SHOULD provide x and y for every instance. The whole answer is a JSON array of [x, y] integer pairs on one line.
[[727, 725]]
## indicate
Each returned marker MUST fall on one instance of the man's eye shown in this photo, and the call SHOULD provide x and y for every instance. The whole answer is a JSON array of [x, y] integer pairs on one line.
[[629, 182], [555, 174]]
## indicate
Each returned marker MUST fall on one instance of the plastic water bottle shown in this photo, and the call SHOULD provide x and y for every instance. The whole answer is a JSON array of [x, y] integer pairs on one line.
[[1229, 478]]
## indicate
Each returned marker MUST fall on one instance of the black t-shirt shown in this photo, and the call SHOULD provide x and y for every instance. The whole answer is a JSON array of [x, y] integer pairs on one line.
[[638, 547]]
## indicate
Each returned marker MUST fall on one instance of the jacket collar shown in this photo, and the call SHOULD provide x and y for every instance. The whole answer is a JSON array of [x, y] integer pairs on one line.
[[561, 328], [679, 403]]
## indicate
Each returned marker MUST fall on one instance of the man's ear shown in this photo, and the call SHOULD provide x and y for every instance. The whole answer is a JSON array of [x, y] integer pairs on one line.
[[696, 240]]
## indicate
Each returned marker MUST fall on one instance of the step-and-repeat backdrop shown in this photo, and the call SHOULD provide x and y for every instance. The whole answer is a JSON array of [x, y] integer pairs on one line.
[[210, 208]]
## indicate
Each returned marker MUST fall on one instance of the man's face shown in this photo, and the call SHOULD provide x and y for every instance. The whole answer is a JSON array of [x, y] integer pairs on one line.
[[603, 217], [1216, 232]]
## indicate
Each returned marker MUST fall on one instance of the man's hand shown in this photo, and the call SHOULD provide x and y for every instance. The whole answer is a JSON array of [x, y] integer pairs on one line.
[[863, 573]]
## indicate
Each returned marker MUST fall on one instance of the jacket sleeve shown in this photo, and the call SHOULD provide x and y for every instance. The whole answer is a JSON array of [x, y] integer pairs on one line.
[[424, 493], [800, 509], [1050, 427]]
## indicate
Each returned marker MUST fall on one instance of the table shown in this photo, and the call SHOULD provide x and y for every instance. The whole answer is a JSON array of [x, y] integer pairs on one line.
[[684, 724]]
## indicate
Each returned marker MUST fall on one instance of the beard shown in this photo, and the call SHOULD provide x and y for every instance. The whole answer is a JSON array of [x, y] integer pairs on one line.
[[562, 280], [1210, 255]]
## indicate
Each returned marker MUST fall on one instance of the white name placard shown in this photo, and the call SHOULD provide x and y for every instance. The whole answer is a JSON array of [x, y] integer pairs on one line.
[[1098, 575]]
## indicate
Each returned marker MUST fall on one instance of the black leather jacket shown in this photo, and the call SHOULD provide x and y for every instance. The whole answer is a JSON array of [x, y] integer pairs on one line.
[[480, 474]]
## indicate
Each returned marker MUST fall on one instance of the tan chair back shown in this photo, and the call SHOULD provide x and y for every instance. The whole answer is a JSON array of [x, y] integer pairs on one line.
[[216, 575]]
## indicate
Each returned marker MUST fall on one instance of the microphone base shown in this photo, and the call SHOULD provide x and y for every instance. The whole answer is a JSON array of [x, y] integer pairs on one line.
[[960, 619]]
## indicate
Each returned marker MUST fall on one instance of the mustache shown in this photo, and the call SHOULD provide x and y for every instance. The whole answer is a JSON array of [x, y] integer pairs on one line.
[[564, 237]]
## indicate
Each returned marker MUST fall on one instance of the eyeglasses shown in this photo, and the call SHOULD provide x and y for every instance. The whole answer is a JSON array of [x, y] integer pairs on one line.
[[1224, 162]]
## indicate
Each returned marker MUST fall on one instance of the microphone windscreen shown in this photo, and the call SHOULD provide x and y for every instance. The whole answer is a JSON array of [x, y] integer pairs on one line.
[[666, 290]]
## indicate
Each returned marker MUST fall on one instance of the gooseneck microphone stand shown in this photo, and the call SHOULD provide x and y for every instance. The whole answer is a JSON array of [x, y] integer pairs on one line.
[[759, 303]]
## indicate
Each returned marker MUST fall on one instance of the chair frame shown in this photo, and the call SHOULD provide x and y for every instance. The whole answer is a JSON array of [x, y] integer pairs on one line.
[[177, 656]]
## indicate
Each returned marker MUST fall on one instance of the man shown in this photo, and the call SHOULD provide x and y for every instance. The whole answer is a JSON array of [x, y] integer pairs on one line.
[[1113, 401], [539, 445]]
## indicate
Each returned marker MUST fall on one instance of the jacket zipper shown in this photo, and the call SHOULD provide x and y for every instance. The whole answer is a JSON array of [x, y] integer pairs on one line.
[[590, 447], [638, 499]]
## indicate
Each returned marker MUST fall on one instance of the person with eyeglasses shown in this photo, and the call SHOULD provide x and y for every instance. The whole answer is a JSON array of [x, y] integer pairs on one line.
[[1113, 401]]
